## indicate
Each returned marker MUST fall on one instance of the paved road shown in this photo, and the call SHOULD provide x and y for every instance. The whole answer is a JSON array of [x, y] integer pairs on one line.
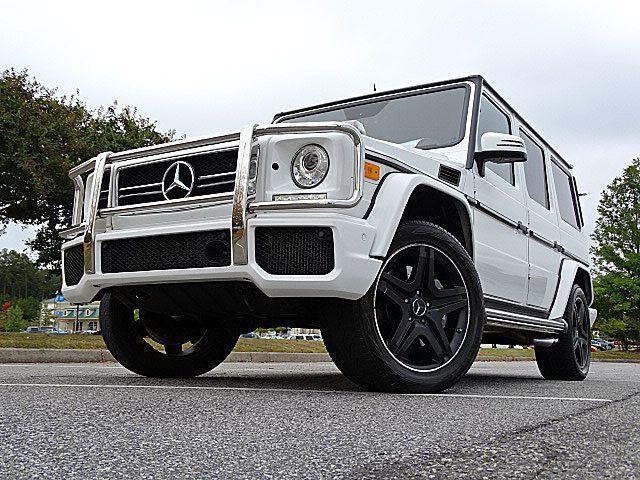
[[307, 421]]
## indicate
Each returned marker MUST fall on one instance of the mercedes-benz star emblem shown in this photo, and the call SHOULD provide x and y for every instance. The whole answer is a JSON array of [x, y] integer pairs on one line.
[[178, 181], [419, 307]]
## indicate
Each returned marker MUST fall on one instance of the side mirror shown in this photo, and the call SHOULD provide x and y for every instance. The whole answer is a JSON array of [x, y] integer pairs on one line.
[[500, 148]]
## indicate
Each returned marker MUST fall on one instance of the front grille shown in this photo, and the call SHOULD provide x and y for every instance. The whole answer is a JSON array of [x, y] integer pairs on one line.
[[73, 265], [214, 172], [295, 251], [167, 252]]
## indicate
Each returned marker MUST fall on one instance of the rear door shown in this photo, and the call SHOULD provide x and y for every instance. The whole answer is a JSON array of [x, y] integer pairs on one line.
[[500, 247], [569, 214], [544, 235]]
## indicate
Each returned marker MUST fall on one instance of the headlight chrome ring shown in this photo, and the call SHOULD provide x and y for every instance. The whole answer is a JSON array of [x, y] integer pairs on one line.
[[310, 166]]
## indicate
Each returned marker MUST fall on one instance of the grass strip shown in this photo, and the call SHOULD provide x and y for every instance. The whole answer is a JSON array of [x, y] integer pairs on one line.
[[78, 341]]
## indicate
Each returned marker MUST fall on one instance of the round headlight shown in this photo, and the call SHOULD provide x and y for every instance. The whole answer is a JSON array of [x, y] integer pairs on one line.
[[309, 166]]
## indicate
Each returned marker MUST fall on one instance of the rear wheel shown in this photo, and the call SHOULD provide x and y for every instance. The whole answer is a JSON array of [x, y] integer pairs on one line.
[[418, 329], [181, 346], [570, 357]]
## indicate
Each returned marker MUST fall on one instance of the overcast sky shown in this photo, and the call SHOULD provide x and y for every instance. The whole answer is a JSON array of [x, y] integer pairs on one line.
[[572, 69]]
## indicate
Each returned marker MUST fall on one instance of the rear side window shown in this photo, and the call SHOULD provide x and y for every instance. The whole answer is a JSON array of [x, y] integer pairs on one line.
[[492, 119], [566, 195], [535, 172]]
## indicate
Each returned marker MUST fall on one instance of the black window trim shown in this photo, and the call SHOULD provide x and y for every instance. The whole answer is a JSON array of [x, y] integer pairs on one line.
[[574, 195], [575, 188], [392, 96], [531, 136], [509, 122]]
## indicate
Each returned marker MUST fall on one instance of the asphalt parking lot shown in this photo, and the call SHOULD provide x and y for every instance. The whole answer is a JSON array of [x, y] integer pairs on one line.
[[307, 421]]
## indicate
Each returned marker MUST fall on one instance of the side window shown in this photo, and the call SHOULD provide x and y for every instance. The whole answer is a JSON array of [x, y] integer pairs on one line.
[[492, 119], [535, 172], [566, 195]]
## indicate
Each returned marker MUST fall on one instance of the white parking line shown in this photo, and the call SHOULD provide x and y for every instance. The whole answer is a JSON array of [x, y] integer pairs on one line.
[[300, 390]]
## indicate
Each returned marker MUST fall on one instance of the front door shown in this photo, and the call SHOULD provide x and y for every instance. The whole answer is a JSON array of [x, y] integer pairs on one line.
[[500, 246]]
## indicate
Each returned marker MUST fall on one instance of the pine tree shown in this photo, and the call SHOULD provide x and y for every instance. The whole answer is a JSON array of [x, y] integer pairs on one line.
[[616, 253]]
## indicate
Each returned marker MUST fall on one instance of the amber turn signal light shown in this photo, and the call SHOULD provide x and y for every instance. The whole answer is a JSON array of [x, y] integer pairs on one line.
[[371, 171]]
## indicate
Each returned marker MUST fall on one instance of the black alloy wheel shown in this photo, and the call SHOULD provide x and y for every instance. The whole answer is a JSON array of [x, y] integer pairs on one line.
[[188, 348], [581, 333], [419, 327], [570, 357], [421, 307]]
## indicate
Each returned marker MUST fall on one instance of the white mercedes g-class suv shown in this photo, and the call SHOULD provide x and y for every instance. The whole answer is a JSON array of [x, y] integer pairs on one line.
[[408, 225]]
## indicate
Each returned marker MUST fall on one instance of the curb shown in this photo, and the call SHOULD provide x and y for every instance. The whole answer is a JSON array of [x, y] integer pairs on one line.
[[60, 355], [53, 355], [277, 357], [504, 359]]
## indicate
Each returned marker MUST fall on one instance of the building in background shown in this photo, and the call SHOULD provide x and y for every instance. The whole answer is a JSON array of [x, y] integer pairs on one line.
[[70, 318]]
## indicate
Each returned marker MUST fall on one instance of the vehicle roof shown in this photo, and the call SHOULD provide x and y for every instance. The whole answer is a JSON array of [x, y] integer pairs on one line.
[[480, 82]]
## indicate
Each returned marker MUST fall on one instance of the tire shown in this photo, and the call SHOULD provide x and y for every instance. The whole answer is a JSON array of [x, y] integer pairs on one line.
[[125, 339], [570, 357], [369, 348]]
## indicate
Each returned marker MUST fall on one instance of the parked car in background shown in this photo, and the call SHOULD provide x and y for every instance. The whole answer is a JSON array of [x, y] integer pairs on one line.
[[42, 329], [301, 336], [602, 344]]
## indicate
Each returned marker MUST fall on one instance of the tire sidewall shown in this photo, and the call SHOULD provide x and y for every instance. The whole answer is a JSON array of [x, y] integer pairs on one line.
[[445, 376], [134, 353]]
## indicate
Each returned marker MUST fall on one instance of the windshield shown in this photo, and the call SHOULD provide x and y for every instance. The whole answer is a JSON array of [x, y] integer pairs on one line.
[[429, 120]]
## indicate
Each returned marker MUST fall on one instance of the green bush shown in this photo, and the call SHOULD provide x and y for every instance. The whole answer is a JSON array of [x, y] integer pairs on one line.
[[15, 321]]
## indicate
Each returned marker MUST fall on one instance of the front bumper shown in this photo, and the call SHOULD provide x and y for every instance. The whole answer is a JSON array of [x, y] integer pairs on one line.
[[352, 276]]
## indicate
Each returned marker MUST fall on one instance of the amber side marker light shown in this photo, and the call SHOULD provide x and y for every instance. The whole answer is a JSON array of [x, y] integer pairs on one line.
[[371, 171]]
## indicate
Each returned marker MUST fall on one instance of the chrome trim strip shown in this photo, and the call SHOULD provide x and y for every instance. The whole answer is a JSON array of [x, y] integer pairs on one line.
[[498, 318], [136, 187], [168, 205], [215, 184], [78, 200], [216, 175], [90, 232], [140, 194], [72, 232]]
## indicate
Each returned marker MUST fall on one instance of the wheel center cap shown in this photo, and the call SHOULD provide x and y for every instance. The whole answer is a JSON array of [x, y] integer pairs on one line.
[[419, 307]]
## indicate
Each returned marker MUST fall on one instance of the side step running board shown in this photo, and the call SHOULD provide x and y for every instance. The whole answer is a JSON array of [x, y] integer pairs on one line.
[[499, 318]]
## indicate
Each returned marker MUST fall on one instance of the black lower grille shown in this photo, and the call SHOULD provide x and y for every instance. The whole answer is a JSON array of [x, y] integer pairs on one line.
[[73, 265], [167, 252], [295, 251]]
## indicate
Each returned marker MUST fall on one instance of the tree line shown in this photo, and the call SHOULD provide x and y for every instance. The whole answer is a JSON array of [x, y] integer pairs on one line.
[[42, 136], [23, 285]]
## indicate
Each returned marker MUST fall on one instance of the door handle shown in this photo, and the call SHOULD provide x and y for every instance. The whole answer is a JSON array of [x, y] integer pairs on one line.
[[522, 228]]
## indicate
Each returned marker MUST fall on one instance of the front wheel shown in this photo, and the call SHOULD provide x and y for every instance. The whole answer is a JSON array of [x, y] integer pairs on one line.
[[419, 327], [188, 348]]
